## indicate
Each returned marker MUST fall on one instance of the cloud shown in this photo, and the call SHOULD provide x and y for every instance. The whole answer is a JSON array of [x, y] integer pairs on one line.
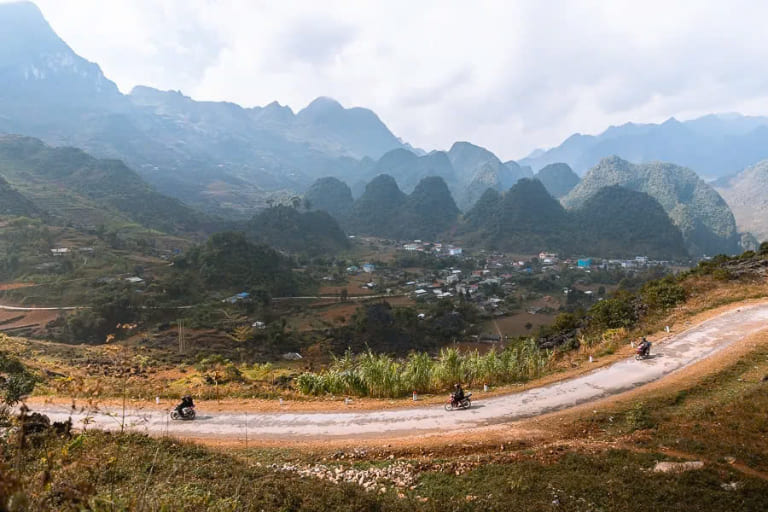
[[507, 75]]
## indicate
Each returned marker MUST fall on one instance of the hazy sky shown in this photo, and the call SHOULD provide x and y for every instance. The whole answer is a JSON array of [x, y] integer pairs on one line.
[[510, 76]]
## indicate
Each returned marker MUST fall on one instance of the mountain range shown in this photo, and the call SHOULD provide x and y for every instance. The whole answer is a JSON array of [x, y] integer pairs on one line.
[[747, 195], [216, 155], [209, 153], [714, 146], [525, 218], [224, 158]]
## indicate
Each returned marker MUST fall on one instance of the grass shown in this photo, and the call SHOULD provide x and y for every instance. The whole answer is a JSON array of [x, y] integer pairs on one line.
[[99, 471], [720, 417]]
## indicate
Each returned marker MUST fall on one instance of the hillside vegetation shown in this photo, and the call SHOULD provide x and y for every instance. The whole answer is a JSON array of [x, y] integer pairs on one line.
[[385, 211], [615, 222], [286, 228], [703, 216], [558, 178], [72, 186]]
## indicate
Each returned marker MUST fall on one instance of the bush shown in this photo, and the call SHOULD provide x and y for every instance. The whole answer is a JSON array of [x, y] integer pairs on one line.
[[613, 313], [662, 294], [17, 382]]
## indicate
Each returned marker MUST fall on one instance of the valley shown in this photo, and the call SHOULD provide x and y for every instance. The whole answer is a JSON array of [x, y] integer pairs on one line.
[[320, 286]]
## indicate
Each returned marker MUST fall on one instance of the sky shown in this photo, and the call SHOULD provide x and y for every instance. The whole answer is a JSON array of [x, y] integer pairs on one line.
[[508, 75]]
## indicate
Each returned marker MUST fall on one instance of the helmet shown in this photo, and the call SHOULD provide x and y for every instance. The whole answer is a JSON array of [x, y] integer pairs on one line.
[[456, 385]]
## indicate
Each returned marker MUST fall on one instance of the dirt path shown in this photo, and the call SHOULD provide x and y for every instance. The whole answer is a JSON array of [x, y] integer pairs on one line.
[[688, 347]]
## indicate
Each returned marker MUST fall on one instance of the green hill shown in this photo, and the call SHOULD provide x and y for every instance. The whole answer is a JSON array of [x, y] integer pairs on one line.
[[526, 219], [71, 185], [619, 222], [330, 195], [313, 232], [13, 203], [707, 224], [384, 210], [376, 211], [229, 262], [429, 210], [558, 179]]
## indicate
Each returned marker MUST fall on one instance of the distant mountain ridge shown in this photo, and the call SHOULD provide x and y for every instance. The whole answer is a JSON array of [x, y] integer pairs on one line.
[[715, 145], [467, 169], [217, 155], [706, 221], [214, 154], [747, 195]]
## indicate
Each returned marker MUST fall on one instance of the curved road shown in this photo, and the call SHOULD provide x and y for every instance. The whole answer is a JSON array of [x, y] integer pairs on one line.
[[677, 352]]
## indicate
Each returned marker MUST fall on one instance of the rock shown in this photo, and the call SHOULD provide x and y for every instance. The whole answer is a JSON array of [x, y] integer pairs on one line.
[[677, 467]]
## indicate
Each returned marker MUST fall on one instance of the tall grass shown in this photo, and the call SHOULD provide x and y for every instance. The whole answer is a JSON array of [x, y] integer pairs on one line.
[[381, 376]]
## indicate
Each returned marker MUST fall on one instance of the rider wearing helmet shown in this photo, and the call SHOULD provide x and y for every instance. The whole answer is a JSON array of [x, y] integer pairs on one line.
[[186, 401], [645, 347], [458, 393]]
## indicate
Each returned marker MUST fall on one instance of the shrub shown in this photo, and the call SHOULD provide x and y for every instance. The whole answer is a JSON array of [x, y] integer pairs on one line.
[[18, 381], [613, 313], [662, 294]]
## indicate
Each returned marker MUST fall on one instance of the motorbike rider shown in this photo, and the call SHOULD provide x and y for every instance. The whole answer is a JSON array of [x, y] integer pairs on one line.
[[186, 401], [645, 347], [458, 393]]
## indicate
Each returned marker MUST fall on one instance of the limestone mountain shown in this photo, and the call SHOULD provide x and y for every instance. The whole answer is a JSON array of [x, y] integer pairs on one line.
[[409, 168], [528, 219], [747, 195], [70, 185], [558, 179], [608, 225], [524, 219], [329, 195], [384, 210], [215, 154], [715, 145], [38, 70], [477, 169], [355, 132], [707, 224], [376, 211], [284, 227], [429, 210]]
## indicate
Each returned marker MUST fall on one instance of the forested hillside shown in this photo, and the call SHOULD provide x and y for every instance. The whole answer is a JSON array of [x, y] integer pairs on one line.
[[71, 185], [707, 224]]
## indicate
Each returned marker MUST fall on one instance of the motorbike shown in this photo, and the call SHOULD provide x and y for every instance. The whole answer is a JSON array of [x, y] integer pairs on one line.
[[464, 403], [187, 413], [641, 354]]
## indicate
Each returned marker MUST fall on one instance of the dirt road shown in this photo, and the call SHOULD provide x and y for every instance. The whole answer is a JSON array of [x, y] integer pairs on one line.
[[681, 350]]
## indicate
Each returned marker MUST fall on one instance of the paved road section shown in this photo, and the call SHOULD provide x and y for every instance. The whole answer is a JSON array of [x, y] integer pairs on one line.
[[679, 351]]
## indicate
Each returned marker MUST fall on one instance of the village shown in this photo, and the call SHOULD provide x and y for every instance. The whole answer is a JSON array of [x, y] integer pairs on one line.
[[517, 291]]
